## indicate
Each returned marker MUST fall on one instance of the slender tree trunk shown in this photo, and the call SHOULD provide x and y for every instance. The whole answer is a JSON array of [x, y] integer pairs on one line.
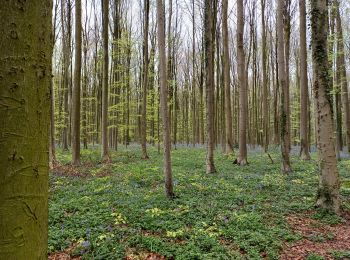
[[277, 135], [209, 37], [145, 81], [52, 125], [243, 93], [52, 148], [194, 100], [328, 193], [342, 75], [65, 11], [24, 127], [304, 91], [170, 64], [286, 168], [286, 92], [76, 87], [85, 95], [164, 100], [265, 102], [226, 62], [104, 123], [334, 77]]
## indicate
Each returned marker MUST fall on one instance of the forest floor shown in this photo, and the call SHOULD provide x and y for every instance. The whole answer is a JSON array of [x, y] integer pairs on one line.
[[119, 210]]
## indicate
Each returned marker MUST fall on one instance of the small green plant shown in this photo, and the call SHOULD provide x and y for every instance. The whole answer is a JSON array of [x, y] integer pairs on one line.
[[236, 214], [314, 257]]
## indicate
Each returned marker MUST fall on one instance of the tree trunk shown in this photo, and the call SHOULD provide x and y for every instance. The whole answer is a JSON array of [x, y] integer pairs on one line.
[[164, 100], [342, 75], [145, 82], [76, 87], [85, 93], [25, 69], [265, 102], [284, 89], [66, 64], [328, 193], [209, 37], [226, 71], [286, 92], [104, 123], [243, 94], [52, 125], [304, 91]]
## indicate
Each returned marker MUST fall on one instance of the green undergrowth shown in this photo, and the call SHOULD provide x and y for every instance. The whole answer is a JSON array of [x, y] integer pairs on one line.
[[239, 213]]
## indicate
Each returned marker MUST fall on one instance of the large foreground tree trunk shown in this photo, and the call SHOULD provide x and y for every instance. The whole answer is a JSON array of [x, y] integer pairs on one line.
[[164, 100], [25, 69], [328, 193]]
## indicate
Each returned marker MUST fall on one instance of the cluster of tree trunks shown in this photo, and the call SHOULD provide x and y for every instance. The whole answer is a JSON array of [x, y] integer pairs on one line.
[[109, 103]]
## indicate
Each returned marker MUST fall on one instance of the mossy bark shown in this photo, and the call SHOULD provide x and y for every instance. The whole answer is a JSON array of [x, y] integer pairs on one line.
[[328, 194], [25, 76]]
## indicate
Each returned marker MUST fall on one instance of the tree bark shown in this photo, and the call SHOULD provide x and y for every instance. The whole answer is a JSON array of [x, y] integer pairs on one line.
[[104, 123], [286, 168], [265, 102], [25, 75], [243, 94], [76, 87], [328, 192], [304, 91], [226, 71], [286, 101], [66, 39], [209, 50], [145, 81], [164, 100], [342, 75]]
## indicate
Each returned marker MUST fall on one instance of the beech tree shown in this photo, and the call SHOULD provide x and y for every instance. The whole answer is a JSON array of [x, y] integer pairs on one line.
[[226, 72], [342, 75], [243, 95], [24, 131], [284, 89], [145, 71], [76, 86], [304, 90], [265, 102], [209, 36], [66, 49], [328, 192], [104, 123], [164, 99]]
